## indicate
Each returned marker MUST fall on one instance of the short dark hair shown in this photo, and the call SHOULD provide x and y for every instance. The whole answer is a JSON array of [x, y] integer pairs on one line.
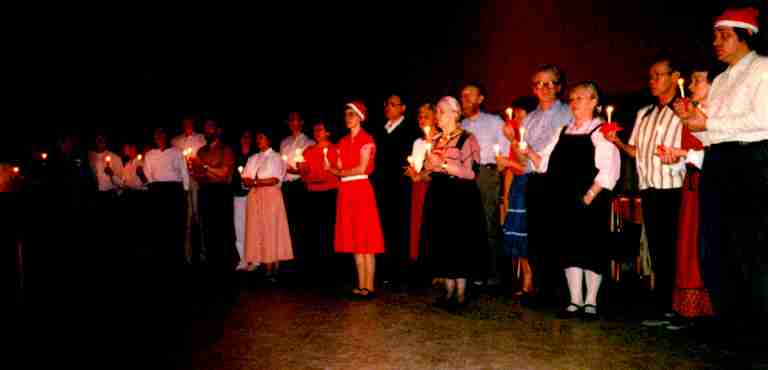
[[743, 34], [706, 65], [672, 62], [476, 84], [400, 94], [526, 103]]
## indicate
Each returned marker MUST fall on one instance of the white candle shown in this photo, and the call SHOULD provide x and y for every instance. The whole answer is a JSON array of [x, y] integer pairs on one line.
[[44, 156], [523, 144], [139, 157], [428, 147], [427, 130], [108, 160], [609, 112], [681, 85], [509, 112], [240, 169], [410, 160], [496, 149]]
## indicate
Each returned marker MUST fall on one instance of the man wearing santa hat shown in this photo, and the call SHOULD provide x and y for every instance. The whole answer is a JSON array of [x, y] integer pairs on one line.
[[734, 180]]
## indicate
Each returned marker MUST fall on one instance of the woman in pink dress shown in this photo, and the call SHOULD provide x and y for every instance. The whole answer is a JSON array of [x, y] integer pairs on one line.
[[267, 240], [358, 229]]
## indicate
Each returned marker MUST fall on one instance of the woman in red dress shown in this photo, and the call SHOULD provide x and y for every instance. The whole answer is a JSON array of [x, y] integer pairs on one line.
[[358, 229], [690, 298]]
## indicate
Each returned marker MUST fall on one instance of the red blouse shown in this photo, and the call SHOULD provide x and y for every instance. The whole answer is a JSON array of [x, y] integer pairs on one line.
[[349, 149], [314, 175]]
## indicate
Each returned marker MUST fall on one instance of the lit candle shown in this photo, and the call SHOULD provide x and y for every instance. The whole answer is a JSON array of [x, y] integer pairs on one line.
[[44, 156], [523, 144], [410, 160], [609, 112], [428, 147], [509, 112], [427, 130], [496, 149], [16, 170], [325, 154], [108, 160], [240, 169], [298, 157], [285, 158], [139, 157], [681, 85]]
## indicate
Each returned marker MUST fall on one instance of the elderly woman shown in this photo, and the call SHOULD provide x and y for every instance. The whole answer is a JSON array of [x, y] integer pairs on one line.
[[582, 168], [358, 228], [454, 221], [267, 239], [428, 125]]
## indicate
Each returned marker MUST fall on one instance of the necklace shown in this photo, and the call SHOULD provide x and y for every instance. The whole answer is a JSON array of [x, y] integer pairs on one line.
[[446, 138]]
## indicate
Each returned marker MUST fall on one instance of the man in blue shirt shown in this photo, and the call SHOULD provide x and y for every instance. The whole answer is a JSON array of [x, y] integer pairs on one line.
[[488, 130]]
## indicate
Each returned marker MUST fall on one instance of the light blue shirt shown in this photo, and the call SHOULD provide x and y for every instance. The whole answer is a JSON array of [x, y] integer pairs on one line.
[[488, 130], [541, 127]]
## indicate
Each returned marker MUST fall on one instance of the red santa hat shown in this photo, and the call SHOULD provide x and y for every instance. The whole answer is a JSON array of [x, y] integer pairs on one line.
[[739, 18], [359, 108]]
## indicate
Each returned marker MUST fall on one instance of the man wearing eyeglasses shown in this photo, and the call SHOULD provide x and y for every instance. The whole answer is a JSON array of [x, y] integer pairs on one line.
[[393, 146], [488, 130], [657, 125]]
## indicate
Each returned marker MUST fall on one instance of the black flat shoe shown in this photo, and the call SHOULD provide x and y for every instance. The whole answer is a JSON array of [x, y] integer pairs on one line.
[[589, 316], [367, 294], [568, 314]]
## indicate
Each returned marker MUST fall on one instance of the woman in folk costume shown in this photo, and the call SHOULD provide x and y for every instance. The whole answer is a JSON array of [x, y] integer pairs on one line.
[[584, 166], [358, 228], [267, 239], [454, 223]]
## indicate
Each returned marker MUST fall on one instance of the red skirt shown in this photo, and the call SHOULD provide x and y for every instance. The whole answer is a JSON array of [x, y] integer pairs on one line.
[[690, 297], [358, 229], [418, 193]]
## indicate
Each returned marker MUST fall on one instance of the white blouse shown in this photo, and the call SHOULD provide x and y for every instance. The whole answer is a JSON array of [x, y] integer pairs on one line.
[[98, 164], [166, 166], [607, 156], [419, 153], [265, 165]]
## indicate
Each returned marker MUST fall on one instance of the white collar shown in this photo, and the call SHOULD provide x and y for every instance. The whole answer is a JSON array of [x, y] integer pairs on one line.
[[392, 125]]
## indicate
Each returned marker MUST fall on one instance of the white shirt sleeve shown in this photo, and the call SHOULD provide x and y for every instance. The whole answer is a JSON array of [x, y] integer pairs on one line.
[[607, 161], [250, 167], [547, 152], [695, 157], [182, 165], [118, 171], [272, 166], [502, 140]]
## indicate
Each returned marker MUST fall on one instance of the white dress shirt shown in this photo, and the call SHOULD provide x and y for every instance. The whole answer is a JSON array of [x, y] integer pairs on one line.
[[265, 165], [737, 105], [288, 148], [392, 125], [166, 165], [98, 164], [607, 156]]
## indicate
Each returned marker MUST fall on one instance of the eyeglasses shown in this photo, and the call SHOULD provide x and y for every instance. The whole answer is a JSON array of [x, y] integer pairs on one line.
[[548, 84]]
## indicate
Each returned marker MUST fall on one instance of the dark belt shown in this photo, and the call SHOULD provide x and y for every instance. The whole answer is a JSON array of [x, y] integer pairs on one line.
[[490, 166]]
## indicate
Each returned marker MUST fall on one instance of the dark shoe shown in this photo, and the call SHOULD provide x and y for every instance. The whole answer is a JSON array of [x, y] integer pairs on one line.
[[589, 312], [568, 314], [443, 304], [367, 294]]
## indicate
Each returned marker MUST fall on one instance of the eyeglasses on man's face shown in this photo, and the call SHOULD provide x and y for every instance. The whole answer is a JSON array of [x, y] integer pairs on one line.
[[547, 84]]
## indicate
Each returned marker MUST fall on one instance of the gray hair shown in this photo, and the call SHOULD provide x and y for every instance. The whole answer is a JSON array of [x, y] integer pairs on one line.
[[451, 103]]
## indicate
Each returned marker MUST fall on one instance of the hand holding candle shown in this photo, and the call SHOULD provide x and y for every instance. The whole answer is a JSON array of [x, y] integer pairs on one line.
[[681, 86], [410, 161], [496, 149]]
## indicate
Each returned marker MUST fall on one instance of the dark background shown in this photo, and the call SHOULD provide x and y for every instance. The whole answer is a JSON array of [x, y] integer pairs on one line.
[[136, 66]]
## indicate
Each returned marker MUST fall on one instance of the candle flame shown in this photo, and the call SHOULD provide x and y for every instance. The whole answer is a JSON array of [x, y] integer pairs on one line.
[[240, 169], [139, 157], [609, 112], [108, 158], [285, 158], [16, 170], [509, 112], [497, 149], [44, 156], [325, 151], [681, 84]]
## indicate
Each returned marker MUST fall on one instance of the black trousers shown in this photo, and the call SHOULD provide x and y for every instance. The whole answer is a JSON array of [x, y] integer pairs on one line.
[[165, 223], [734, 214], [321, 225], [217, 225], [661, 213], [294, 198]]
